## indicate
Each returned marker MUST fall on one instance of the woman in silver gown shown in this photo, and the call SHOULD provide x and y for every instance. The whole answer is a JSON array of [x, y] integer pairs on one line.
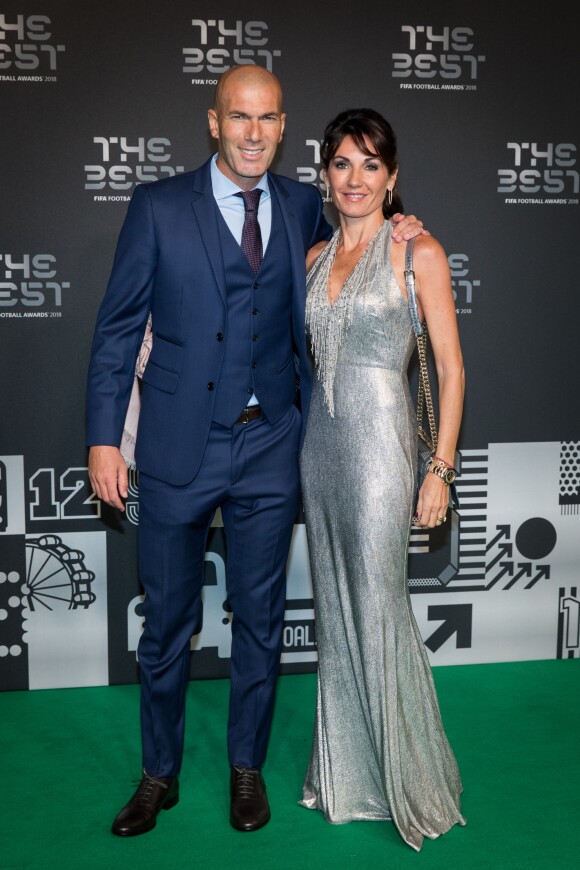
[[379, 749]]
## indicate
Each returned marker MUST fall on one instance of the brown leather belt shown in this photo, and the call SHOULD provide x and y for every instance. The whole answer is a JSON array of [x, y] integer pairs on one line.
[[253, 412]]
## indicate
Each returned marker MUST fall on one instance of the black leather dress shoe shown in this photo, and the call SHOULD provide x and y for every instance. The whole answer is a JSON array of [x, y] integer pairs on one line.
[[140, 814], [249, 808]]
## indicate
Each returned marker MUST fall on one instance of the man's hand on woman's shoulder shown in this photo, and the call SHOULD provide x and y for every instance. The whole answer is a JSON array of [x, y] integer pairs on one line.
[[406, 227]]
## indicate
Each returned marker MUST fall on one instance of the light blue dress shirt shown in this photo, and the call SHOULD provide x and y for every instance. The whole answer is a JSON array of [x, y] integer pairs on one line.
[[232, 206]]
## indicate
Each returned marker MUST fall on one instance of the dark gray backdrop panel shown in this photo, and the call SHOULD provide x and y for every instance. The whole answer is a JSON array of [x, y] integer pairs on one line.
[[121, 74]]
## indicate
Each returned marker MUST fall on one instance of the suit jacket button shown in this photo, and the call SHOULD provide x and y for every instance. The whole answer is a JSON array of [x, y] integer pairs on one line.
[[255, 285], [254, 365], [255, 311], [220, 336], [255, 338], [210, 386]]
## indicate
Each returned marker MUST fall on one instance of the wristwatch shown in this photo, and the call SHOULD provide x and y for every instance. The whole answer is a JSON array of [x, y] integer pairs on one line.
[[443, 471]]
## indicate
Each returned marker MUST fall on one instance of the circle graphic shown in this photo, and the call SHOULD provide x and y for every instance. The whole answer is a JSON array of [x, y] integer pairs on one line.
[[56, 575], [536, 538]]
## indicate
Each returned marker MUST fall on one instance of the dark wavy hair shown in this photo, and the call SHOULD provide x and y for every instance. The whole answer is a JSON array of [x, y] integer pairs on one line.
[[359, 123]]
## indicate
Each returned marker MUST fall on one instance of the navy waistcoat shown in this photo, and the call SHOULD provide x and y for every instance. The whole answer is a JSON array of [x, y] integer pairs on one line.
[[258, 355]]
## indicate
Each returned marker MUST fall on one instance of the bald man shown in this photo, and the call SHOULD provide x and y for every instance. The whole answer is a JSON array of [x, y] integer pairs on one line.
[[217, 255]]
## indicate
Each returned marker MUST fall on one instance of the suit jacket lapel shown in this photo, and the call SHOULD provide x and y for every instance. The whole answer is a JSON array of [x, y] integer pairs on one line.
[[295, 241], [205, 212], [298, 261]]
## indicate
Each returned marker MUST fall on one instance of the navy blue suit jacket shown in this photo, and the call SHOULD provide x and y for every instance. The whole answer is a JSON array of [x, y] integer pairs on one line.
[[168, 261]]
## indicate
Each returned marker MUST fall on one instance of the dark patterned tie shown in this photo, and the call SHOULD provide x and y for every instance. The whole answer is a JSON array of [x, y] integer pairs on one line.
[[251, 243]]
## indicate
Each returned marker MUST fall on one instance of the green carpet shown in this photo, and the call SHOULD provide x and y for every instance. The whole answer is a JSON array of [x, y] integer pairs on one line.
[[69, 757]]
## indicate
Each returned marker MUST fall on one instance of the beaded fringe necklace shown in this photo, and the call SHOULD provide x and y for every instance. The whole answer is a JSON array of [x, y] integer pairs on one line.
[[328, 324]]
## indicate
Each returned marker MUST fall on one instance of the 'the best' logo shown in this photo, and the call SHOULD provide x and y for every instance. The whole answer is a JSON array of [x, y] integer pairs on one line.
[[221, 47], [25, 45], [447, 54], [122, 164], [462, 282], [27, 281], [540, 169]]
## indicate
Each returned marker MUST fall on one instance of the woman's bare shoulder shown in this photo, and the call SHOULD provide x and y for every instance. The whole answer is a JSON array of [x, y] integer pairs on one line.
[[427, 250], [313, 254]]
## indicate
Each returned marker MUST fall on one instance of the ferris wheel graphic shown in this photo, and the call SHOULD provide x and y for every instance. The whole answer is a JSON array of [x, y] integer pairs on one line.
[[56, 575]]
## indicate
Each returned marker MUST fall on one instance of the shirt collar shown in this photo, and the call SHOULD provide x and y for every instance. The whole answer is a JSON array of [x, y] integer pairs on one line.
[[223, 187]]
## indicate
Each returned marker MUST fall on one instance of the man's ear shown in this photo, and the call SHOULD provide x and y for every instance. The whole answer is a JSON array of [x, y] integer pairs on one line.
[[212, 120], [282, 126]]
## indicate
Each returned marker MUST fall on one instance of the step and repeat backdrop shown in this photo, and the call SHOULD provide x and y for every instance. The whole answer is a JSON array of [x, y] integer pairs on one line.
[[99, 97]]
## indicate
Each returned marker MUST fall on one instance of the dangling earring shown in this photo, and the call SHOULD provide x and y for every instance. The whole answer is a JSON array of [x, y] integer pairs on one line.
[[390, 197], [328, 197]]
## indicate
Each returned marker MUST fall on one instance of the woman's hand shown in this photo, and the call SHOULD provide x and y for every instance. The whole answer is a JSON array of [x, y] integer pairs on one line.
[[433, 503]]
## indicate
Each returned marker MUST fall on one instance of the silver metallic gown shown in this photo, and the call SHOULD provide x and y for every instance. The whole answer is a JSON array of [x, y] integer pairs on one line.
[[379, 749]]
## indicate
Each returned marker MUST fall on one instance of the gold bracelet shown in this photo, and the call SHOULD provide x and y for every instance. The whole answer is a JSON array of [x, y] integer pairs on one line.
[[444, 461], [447, 475]]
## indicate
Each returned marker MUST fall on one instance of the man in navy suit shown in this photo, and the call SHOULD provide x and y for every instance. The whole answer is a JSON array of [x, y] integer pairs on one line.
[[219, 423]]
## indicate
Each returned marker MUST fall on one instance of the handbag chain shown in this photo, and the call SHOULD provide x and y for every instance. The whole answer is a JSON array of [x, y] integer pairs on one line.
[[424, 397]]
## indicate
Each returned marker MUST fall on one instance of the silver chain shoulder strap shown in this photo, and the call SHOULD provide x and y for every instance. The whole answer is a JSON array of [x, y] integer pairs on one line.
[[424, 398]]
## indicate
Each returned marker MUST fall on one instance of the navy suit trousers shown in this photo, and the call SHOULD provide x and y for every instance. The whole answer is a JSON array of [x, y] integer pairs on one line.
[[251, 472]]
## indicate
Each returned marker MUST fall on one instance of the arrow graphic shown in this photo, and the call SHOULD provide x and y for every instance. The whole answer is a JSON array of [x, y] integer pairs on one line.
[[526, 569], [457, 619], [544, 571], [506, 550], [504, 532], [506, 568]]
